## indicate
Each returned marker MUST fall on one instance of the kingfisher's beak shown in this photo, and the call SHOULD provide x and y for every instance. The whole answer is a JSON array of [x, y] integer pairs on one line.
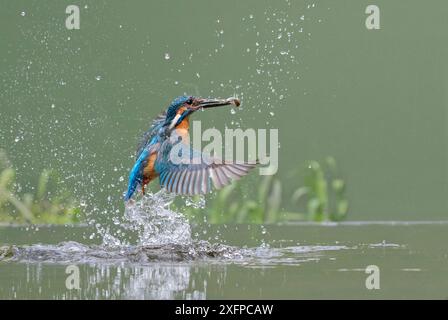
[[201, 103]]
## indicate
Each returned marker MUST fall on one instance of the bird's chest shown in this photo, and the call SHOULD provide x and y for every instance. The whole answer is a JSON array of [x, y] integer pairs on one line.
[[149, 171], [181, 132]]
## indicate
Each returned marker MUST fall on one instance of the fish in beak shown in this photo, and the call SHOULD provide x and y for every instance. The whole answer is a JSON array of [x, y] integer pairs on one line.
[[201, 103]]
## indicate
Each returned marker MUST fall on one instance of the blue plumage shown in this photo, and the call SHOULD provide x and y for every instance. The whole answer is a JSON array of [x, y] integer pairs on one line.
[[136, 175]]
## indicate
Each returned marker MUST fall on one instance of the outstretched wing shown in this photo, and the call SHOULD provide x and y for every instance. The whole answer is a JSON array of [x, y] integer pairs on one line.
[[196, 173], [157, 123]]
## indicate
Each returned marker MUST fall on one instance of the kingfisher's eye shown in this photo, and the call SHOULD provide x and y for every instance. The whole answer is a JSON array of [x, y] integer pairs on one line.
[[190, 101]]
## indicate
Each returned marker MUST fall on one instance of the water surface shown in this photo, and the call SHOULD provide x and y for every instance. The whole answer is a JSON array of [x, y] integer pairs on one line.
[[298, 261]]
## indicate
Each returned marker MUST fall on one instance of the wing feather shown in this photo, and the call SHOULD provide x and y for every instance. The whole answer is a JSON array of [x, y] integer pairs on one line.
[[196, 178]]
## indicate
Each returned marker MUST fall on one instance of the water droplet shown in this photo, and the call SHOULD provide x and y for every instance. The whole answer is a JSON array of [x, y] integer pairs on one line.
[[232, 111], [167, 56], [98, 78], [263, 230], [23, 13]]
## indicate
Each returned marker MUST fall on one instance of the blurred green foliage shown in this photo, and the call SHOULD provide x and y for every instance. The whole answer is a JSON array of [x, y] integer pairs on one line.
[[320, 198], [50, 204]]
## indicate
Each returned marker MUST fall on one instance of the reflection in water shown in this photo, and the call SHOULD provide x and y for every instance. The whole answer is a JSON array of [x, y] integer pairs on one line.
[[105, 282], [145, 282], [159, 283], [139, 272]]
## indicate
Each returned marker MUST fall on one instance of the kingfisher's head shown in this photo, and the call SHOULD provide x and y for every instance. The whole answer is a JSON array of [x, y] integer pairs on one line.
[[183, 106]]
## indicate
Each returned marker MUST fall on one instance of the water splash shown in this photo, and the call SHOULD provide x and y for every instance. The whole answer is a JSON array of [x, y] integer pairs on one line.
[[155, 223], [74, 252]]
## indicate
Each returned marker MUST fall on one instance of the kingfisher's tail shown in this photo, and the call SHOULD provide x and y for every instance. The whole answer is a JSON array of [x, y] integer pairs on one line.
[[134, 181], [130, 192], [136, 175]]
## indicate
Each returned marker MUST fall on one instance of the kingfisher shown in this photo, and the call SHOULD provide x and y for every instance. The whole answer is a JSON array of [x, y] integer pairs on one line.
[[189, 172]]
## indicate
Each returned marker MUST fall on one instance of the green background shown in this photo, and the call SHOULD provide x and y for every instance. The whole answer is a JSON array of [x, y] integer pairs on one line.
[[376, 100]]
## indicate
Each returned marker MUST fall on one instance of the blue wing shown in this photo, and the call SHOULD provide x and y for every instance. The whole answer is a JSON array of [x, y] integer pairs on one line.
[[196, 174]]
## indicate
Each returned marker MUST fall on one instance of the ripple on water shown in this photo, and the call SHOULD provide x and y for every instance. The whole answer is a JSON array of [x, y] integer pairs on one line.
[[74, 252]]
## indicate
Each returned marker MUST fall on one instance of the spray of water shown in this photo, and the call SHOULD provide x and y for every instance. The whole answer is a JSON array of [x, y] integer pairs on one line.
[[155, 223]]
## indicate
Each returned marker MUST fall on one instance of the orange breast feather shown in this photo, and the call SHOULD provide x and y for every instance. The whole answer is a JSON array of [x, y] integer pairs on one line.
[[149, 173], [182, 130]]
